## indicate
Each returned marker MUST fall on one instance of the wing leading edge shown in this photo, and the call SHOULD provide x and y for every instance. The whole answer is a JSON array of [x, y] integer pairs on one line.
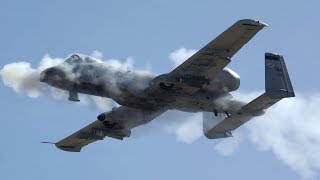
[[116, 124], [204, 65]]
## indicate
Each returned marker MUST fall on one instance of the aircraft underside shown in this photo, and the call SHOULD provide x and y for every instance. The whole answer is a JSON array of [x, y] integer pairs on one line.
[[200, 84]]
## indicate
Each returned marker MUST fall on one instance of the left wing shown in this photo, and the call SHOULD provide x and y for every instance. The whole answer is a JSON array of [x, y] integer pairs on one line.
[[204, 65], [116, 124]]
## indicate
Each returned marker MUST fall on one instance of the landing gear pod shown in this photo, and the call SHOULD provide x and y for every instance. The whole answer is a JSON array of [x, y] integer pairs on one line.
[[73, 96]]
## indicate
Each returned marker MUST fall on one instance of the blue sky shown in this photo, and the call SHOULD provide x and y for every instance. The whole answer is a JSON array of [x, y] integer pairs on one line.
[[147, 31]]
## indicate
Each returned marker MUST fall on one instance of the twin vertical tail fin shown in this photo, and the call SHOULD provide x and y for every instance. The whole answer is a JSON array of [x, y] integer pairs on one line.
[[278, 84]]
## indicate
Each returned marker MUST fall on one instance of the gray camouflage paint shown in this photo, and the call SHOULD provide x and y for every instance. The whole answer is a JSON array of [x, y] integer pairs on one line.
[[84, 74]]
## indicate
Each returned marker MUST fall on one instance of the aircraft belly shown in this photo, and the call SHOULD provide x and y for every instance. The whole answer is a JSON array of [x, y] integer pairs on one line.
[[191, 105]]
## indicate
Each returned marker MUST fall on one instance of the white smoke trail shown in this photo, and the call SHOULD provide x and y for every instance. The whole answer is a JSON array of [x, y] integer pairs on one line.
[[24, 79], [290, 131]]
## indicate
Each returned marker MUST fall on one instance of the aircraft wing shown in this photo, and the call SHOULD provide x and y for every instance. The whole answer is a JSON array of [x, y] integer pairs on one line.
[[116, 124], [278, 86], [204, 65]]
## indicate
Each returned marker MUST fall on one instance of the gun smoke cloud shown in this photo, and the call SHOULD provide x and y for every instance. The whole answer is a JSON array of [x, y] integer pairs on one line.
[[289, 129], [24, 79]]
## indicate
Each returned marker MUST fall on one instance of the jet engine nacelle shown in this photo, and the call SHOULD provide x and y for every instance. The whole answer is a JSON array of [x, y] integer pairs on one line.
[[191, 79], [226, 81]]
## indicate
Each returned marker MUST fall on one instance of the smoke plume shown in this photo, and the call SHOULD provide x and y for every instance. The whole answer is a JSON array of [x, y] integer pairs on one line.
[[24, 79], [289, 129]]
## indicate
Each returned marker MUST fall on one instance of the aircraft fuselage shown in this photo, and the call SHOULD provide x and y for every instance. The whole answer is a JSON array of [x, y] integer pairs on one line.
[[128, 87]]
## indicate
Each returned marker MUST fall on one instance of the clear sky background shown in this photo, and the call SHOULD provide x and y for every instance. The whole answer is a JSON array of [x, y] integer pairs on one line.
[[147, 31]]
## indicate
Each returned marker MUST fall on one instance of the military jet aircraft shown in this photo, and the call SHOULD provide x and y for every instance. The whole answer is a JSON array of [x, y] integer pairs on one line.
[[200, 84]]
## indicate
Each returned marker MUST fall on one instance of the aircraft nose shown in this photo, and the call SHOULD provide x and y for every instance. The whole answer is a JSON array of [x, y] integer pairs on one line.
[[43, 76], [52, 73]]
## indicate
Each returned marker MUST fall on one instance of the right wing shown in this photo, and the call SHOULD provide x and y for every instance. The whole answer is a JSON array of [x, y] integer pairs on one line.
[[278, 86], [116, 124], [204, 65]]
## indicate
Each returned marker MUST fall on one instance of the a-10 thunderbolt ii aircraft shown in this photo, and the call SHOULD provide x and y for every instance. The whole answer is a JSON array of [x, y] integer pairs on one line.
[[200, 84]]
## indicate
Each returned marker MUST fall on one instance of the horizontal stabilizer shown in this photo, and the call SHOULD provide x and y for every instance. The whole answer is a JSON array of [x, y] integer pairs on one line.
[[210, 120], [278, 86]]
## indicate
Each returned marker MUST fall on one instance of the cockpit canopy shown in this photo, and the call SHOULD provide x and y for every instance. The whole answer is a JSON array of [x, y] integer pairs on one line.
[[80, 58]]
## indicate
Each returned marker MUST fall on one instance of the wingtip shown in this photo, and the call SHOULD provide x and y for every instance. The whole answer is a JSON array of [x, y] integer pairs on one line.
[[46, 142], [64, 148], [69, 148], [252, 22], [264, 24]]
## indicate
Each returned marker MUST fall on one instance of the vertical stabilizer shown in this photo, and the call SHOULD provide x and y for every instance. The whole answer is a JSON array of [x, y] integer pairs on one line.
[[278, 84]]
